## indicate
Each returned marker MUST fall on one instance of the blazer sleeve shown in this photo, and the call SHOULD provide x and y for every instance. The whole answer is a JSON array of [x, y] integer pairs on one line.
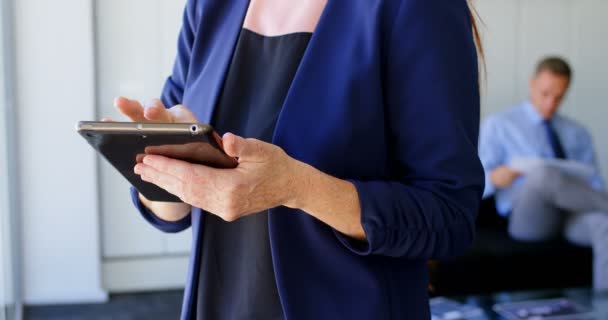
[[172, 94], [432, 111], [173, 90], [156, 221]]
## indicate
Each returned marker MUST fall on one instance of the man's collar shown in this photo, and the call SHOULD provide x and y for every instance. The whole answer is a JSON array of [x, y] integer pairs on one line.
[[532, 113]]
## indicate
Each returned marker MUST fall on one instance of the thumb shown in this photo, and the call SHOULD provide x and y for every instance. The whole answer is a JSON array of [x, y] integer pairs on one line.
[[244, 149]]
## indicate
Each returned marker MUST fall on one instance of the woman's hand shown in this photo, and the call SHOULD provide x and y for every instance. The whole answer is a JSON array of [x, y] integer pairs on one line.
[[265, 178], [155, 111]]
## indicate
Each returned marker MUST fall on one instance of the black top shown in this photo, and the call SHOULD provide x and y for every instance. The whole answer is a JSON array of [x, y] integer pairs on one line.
[[237, 277]]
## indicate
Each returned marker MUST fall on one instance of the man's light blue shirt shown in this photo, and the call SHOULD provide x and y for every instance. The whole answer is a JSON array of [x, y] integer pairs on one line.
[[519, 132]]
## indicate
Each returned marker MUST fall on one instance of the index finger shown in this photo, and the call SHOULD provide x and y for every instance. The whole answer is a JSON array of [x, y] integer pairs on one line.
[[154, 110], [132, 109]]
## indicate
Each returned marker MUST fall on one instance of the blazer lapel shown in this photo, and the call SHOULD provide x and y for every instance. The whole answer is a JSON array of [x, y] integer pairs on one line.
[[223, 48], [310, 74], [311, 67]]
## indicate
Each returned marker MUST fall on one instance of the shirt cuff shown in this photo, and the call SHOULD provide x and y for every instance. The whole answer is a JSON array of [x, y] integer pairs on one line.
[[489, 188]]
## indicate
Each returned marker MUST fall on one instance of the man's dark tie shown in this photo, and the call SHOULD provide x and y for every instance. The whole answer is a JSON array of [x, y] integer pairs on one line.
[[558, 150]]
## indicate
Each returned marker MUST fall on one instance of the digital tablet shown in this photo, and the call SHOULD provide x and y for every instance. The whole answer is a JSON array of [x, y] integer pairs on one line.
[[124, 144]]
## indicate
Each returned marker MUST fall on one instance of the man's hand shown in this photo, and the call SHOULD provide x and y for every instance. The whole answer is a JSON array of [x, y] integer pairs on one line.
[[503, 176]]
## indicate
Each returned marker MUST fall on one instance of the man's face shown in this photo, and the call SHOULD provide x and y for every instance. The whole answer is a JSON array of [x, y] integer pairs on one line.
[[547, 90]]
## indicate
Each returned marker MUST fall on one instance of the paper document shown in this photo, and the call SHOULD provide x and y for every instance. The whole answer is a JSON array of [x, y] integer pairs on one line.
[[551, 309], [570, 167]]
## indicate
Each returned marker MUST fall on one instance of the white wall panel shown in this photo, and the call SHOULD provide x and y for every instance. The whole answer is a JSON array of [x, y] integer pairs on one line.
[[127, 64], [136, 45], [58, 180], [141, 274]]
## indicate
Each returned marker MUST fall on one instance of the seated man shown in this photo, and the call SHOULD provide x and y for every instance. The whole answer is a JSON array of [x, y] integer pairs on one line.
[[546, 201]]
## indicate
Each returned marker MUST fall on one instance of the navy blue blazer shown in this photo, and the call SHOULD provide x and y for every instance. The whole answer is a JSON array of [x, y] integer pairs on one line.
[[387, 97]]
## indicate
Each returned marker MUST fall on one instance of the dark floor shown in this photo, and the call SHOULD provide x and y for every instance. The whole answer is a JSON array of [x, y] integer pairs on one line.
[[138, 306]]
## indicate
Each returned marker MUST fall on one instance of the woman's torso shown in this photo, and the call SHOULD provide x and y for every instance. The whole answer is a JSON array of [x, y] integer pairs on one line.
[[335, 118], [237, 279]]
